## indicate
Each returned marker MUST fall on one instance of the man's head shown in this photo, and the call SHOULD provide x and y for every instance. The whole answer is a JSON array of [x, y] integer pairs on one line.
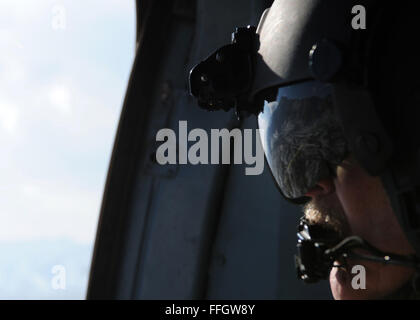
[[354, 203], [337, 110]]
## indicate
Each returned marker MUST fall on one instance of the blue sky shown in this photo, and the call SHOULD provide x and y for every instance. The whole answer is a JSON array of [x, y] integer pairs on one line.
[[64, 67]]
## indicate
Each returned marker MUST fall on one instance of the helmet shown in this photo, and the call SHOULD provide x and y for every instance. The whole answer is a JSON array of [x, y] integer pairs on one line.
[[323, 88]]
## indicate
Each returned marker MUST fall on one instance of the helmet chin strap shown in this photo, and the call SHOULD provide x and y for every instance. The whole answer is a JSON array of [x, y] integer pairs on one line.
[[346, 247], [319, 248]]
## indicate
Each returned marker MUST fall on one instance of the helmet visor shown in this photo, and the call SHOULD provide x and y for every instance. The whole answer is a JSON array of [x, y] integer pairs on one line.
[[302, 138]]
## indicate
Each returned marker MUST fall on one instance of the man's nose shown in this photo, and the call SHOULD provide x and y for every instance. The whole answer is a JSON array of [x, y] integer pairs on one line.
[[323, 187]]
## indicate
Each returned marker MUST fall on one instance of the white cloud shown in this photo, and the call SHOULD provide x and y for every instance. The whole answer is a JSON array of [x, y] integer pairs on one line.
[[9, 116], [65, 109], [59, 96], [9, 40], [31, 209]]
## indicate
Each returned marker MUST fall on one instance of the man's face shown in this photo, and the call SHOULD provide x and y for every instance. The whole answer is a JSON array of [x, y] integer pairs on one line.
[[355, 203]]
